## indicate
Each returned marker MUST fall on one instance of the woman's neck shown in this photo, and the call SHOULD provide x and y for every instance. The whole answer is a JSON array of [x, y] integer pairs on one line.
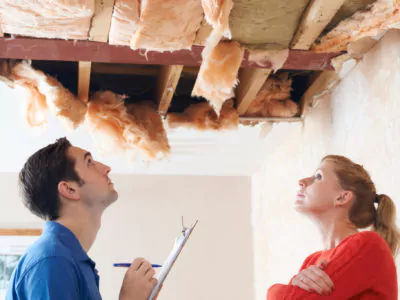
[[334, 230]]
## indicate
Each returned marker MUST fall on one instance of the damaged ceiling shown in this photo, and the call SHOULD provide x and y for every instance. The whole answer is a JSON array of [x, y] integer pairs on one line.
[[143, 70]]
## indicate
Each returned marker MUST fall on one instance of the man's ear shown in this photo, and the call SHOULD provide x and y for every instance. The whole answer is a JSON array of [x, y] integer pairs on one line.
[[345, 197], [69, 190]]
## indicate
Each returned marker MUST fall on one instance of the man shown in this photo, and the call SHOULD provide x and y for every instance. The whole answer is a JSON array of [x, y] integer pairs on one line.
[[65, 186]]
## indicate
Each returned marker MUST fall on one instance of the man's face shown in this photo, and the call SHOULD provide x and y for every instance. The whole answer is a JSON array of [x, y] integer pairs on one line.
[[97, 190]]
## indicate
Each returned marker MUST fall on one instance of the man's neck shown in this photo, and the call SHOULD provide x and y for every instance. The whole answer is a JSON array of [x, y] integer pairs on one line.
[[84, 225]]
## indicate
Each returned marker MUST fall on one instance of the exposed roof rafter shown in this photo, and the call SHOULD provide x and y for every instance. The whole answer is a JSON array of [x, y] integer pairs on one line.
[[316, 17]]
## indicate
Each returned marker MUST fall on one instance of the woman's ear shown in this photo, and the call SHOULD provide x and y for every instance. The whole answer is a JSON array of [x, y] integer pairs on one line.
[[345, 197], [69, 190]]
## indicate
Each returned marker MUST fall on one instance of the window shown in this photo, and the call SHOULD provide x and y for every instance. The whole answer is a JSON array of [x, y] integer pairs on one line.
[[13, 244]]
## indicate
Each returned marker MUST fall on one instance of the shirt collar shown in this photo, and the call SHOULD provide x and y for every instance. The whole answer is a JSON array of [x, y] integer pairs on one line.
[[67, 238]]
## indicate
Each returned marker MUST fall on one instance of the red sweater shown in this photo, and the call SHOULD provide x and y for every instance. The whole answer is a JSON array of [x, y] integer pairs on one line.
[[361, 267]]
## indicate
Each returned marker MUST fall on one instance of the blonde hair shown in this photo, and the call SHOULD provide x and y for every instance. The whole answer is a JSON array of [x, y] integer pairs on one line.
[[362, 213]]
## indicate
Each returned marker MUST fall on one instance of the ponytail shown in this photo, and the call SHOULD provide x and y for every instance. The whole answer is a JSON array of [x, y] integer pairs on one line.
[[385, 222]]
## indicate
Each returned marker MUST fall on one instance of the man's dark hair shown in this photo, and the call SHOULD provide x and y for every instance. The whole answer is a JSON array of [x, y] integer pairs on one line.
[[40, 176]]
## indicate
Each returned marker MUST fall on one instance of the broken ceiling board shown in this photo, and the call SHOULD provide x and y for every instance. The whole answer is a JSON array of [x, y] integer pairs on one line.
[[373, 22], [101, 21], [84, 80], [348, 8], [266, 24], [250, 82], [166, 85], [64, 50], [323, 83], [316, 17]]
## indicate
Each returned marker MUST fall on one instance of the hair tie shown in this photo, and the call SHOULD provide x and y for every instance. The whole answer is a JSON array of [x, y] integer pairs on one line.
[[377, 200]]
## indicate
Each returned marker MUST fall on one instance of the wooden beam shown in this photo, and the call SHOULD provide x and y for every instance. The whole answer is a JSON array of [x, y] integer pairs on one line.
[[66, 50], [20, 231], [124, 69], [84, 80], [316, 17], [250, 83], [167, 82], [101, 21], [323, 83]]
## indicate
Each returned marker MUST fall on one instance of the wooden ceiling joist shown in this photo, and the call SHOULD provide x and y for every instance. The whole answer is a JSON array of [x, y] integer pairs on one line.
[[84, 80], [66, 50], [250, 82], [323, 82], [122, 69], [316, 17], [101, 21], [166, 85]]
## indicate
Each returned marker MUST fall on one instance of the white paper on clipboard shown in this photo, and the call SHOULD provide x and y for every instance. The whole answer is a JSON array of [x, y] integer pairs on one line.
[[172, 257]]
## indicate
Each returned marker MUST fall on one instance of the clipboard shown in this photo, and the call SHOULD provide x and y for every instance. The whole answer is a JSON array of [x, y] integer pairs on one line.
[[179, 243]]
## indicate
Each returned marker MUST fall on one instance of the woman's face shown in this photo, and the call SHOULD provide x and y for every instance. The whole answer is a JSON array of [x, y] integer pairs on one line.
[[317, 194]]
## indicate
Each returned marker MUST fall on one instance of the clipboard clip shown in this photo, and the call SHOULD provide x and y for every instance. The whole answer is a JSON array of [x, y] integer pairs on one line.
[[183, 227]]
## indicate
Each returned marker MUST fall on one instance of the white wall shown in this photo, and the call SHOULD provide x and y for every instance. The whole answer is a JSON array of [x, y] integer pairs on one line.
[[215, 264], [361, 120]]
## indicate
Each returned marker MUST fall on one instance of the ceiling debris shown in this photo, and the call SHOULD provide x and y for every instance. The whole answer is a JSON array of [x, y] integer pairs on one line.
[[348, 8], [326, 81], [354, 36], [216, 13], [48, 19], [153, 139], [242, 43], [218, 74], [130, 127], [273, 100], [221, 60], [47, 92], [275, 59], [373, 22], [202, 116]]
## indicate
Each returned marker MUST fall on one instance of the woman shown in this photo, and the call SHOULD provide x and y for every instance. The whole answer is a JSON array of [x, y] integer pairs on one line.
[[341, 198]]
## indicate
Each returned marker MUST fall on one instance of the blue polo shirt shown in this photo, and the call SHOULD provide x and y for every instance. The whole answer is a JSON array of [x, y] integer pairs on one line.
[[55, 267]]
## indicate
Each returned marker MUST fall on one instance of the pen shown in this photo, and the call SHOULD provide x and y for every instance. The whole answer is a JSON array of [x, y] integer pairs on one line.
[[127, 265]]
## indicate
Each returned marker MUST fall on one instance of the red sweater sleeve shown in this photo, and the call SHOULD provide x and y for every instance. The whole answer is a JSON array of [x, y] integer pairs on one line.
[[364, 258], [305, 264]]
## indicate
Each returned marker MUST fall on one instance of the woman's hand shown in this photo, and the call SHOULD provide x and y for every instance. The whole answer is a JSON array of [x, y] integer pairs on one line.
[[314, 279]]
